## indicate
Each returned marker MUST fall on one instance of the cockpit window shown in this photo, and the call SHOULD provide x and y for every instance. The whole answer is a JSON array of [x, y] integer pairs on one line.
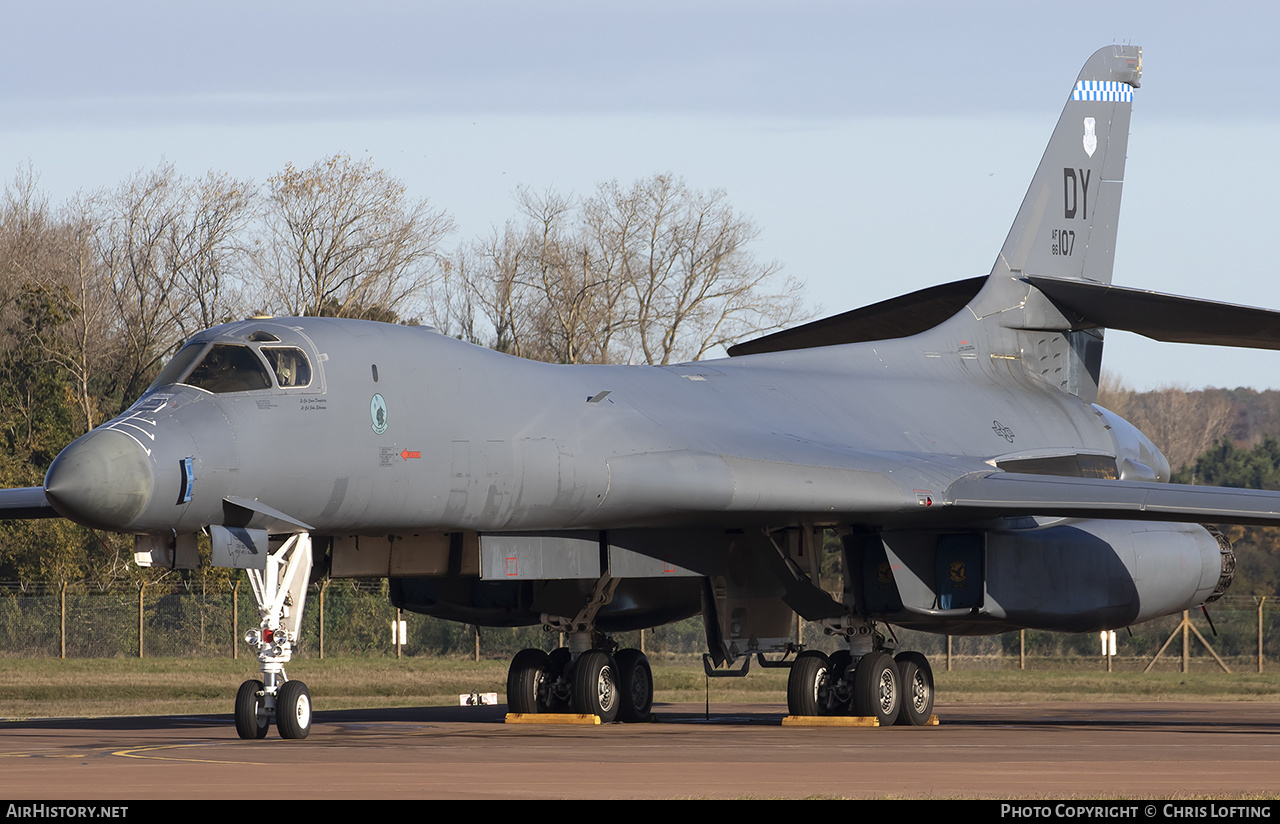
[[290, 365], [178, 364], [229, 368]]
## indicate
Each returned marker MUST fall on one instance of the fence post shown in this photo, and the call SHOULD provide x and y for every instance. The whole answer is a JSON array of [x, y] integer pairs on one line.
[[235, 620], [1261, 601], [1186, 640], [62, 618], [141, 588], [323, 585], [948, 653], [1022, 649]]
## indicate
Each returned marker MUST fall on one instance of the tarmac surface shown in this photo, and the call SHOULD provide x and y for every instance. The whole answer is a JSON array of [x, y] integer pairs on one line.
[[1023, 751]]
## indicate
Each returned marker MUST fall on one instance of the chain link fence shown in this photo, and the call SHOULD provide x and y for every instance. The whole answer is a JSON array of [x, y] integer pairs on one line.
[[347, 618], [342, 618]]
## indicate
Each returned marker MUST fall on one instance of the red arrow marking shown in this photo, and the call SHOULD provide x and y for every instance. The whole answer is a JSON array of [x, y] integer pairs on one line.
[[407, 454]]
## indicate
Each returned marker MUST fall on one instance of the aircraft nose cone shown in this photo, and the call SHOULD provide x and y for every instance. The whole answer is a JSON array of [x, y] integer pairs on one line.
[[103, 479]]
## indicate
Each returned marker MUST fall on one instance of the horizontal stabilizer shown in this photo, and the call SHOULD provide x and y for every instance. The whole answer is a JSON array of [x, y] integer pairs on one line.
[[1160, 316], [898, 317], [1002, 494], [22, 504]]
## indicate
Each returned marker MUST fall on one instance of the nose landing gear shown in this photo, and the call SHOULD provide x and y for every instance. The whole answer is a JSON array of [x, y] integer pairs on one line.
[[280, 590]]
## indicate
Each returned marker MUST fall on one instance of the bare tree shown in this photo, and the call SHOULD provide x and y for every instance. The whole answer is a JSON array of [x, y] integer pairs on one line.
[[694, 282], [558, 280], [452, 306], [207, 251], [343, 239], [135, 223], [532, 283], [85, 347], [1182, 423], [654, 268], [172, 255], [25, 228], [1114, 393], [488, 274], [610, 238], [30, 314]]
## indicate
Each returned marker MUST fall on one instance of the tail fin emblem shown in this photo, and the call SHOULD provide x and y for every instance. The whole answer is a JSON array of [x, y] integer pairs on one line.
[[1090, 139]]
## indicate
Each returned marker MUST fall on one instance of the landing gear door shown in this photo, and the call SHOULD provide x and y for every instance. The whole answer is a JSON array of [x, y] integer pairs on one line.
[[919, 572], [744, 610], [876, 588], [738, 623]]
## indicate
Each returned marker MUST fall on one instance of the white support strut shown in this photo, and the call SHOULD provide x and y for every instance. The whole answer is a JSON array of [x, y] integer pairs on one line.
[[280, 589]]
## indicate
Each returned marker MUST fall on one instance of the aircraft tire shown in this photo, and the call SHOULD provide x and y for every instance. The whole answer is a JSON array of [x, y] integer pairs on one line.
[[635, 686], [293, 710], [808, 680], [251, 725], [595, 686], [916, 678], [527, 681], [876, 693]]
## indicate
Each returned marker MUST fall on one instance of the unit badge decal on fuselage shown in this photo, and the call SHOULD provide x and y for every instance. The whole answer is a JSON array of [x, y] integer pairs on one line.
[[378, 414]]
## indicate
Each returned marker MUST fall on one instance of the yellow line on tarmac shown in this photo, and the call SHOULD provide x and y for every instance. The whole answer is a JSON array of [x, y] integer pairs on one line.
[[141, 752]]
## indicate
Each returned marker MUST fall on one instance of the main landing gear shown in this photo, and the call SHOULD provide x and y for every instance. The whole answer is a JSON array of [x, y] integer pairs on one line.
[[591, 676], [615, 687], [893, 690], [280, 591]]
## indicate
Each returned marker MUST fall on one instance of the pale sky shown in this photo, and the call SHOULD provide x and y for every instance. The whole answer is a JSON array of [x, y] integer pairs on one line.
[[881, 147]]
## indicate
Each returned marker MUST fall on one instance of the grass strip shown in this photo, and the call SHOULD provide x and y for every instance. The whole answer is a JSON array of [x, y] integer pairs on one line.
[[44, 687]]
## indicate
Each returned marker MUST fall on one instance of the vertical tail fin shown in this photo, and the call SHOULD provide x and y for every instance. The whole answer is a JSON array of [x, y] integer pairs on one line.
[[1066, 227]]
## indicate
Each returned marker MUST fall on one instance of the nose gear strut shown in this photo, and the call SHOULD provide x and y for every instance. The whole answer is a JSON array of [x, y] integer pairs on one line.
[[280, 590]]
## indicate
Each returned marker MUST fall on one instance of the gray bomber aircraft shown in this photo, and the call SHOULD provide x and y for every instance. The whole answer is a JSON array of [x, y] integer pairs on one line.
[[950, 437]]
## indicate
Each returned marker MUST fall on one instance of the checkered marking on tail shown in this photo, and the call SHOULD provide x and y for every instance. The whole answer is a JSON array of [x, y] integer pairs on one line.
[[1112, 91]]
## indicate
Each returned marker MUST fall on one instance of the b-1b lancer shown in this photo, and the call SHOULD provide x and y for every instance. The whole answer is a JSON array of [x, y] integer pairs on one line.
[[950, 437]]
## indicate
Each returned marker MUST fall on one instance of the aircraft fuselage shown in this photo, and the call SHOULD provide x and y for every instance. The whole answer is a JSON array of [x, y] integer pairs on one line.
[[404, 428]]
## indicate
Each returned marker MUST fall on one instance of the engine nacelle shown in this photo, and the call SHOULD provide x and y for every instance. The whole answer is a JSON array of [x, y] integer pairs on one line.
[[1065, 575]]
